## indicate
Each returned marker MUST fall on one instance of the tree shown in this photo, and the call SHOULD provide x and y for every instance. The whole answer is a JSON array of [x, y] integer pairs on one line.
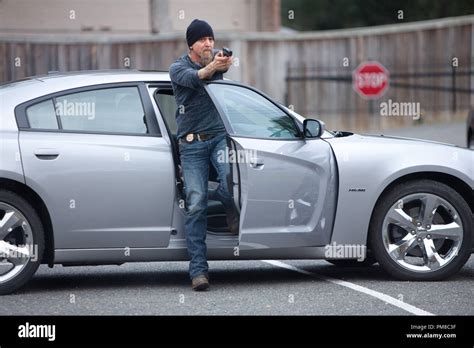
[[335, 14]]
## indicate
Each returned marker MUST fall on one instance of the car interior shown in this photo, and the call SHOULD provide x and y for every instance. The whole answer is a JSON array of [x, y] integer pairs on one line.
[[216, 215]]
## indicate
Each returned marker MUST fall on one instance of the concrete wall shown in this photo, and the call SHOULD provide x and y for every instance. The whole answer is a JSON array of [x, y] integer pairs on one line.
[[73, 16], [135, 16]]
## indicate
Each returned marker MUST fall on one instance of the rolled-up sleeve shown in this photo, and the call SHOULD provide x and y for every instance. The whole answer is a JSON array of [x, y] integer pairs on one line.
[[185, 76]]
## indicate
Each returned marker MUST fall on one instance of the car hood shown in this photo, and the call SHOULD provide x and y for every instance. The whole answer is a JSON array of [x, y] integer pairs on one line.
[[402, 155], [383, 136]]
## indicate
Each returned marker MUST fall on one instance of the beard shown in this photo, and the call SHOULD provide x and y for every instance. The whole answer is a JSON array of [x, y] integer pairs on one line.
[[205, 58]]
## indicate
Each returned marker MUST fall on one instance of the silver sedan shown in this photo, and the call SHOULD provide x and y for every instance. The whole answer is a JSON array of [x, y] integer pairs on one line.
[[90, 174]]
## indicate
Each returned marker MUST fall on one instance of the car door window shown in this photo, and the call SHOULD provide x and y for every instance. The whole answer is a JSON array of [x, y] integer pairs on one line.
[[42, 115], [167, 104], [117, 110], [250, 114]]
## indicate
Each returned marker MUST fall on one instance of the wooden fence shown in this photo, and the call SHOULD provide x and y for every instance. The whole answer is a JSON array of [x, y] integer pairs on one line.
[[289, 67]]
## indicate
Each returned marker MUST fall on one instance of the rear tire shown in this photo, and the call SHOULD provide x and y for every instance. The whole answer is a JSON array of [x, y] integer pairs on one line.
[[21, 242], [421, 230]]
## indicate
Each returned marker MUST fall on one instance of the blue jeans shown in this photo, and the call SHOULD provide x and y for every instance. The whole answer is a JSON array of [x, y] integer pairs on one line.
[[195, 159]]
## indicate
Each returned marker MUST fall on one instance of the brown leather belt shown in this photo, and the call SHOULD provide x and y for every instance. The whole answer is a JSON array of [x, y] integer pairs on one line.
[[190, 137]]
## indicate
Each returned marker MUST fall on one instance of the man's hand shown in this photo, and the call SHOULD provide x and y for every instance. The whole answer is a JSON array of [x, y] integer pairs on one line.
[[220, 64]]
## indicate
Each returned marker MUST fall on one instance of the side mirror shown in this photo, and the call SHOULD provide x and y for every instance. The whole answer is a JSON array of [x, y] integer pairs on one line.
[[313, 128]]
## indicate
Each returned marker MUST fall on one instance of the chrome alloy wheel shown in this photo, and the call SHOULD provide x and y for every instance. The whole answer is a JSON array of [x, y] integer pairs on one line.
[[422, 232], [16, 242]]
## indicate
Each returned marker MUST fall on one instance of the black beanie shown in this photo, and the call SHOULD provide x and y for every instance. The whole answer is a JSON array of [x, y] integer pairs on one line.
[[196, 30]]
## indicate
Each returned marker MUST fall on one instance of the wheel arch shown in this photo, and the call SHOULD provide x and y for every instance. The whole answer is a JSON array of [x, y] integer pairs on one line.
[[38, 204], [452, 181]]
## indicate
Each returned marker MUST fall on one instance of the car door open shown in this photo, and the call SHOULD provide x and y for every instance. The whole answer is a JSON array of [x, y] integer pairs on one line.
[[288, 184]]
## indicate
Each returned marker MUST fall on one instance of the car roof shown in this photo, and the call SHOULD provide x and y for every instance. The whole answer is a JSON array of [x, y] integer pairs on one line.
[[94, 74], [36, 86]]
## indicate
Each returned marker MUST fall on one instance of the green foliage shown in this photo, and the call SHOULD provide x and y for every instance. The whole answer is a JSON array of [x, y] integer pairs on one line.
[[335, 14]]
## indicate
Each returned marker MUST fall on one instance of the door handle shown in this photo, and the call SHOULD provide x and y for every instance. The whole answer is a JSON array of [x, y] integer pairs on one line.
[[46, 154], [256, 162]]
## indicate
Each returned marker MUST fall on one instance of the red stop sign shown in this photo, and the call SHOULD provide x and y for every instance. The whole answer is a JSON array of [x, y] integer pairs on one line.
[[370, 79]]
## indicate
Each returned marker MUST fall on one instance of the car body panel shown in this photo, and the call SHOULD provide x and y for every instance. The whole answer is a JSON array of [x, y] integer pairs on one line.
[[368, 164], [103, 190], [107, 256], [18, 92], [290, 200], [10, 156], [350, 174]]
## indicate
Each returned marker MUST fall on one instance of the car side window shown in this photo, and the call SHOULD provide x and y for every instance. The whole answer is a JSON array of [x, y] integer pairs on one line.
[[250, 114], [117, 110], [42, 115], [167, 105]]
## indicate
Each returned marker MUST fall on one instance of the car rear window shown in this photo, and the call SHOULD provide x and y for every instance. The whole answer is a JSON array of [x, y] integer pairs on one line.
[[104, 110], [42, 115]]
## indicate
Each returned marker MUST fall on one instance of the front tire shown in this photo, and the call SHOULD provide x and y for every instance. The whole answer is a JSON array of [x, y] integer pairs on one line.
[[421, 230], [21, 242]]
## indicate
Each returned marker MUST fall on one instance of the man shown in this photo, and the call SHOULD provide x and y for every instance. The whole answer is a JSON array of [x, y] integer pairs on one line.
[[201, 137]]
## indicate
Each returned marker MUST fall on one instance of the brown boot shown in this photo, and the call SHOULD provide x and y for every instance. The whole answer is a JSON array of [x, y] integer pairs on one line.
[[200, 283]]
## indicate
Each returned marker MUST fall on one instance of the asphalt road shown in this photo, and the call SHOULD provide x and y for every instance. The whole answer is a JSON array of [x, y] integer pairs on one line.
[[304, 287], [237, 288]]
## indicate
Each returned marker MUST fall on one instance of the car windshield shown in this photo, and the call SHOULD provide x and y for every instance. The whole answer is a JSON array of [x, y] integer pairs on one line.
[[300, 119]]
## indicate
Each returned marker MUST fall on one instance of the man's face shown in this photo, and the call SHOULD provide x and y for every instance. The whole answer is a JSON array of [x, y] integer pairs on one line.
[[203, 49]]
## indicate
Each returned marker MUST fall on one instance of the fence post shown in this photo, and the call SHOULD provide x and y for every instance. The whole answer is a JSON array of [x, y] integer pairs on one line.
[[453, 87], [287, 92]]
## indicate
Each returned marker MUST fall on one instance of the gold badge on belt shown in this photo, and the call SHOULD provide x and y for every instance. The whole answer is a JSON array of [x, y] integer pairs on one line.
[[189, 137]]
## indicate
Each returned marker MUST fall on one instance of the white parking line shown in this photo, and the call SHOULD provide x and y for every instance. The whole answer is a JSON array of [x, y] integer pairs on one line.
[[388, 299]]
